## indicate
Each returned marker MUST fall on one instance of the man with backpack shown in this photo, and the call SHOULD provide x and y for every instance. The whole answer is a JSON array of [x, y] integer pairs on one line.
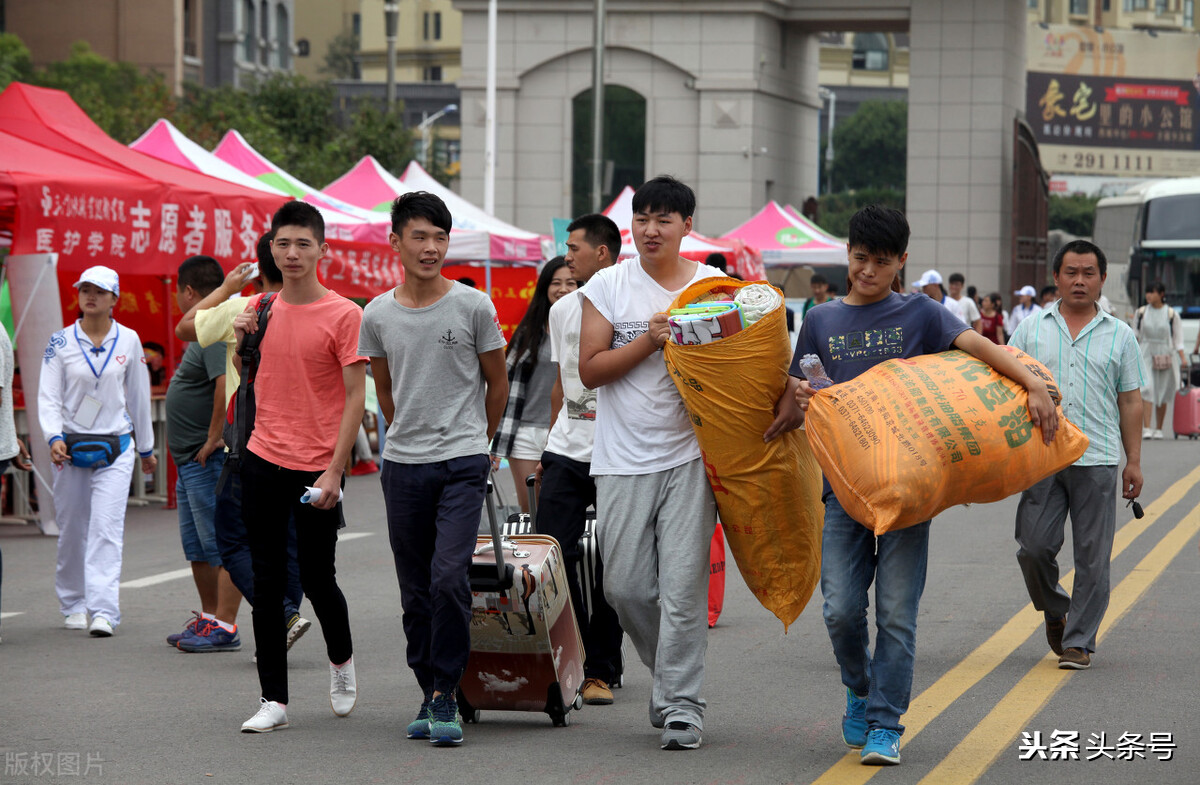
[[210, 322]]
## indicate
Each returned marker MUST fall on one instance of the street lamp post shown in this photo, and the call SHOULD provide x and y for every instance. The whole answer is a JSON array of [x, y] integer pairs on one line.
[[830, 96], [391, 19], [426, 129]]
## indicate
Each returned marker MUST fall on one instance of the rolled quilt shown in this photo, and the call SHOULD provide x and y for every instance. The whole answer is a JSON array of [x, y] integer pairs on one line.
[[757, 300], [705, 325]]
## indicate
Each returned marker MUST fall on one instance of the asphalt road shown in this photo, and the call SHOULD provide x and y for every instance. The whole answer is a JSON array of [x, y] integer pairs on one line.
[[129, 709]]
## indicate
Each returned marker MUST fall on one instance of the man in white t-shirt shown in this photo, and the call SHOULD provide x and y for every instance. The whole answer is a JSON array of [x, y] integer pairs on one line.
[[653, 497], [970, 311], [567, 487]]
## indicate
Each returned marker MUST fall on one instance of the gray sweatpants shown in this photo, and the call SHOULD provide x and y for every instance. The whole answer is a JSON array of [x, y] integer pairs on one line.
[[655, 532], [1088, 493]]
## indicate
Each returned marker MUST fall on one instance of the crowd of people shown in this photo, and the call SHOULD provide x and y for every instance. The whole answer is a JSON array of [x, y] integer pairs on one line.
[[580, 398]]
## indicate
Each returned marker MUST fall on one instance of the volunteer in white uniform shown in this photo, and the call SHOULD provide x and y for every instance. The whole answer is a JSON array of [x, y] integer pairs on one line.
[[93, 400]]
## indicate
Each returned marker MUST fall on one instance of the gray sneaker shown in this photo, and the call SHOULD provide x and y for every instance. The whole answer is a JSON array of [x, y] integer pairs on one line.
[[297, 625], [679, 735]]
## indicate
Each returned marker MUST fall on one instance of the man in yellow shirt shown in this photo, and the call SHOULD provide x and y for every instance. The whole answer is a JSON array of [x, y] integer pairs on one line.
[[211, 321]]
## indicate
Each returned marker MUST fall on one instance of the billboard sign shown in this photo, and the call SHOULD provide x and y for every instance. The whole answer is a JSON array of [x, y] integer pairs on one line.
[[1118, 102]]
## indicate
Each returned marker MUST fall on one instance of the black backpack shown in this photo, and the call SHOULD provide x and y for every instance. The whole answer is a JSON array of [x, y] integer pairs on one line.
[[239, 417]]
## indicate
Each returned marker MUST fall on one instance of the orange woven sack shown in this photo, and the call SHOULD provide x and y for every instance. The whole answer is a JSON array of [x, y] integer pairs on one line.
[[910, 438], [768, 494]]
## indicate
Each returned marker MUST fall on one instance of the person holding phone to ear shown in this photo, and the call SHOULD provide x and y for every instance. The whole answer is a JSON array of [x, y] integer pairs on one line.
[[94, 407]]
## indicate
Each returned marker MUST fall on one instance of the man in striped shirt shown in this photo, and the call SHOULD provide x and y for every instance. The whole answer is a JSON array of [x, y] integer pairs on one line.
[[1095, 361]]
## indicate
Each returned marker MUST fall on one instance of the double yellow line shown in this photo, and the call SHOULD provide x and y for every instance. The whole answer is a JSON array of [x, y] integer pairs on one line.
[[968, 761]]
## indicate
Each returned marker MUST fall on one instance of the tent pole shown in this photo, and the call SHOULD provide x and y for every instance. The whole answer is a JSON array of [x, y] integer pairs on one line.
[[489, 143]]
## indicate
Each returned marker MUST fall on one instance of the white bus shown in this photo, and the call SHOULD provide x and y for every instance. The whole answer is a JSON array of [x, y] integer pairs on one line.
[[1152, 233]]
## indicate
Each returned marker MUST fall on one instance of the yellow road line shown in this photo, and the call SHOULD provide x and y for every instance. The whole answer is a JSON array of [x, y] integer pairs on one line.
[[927, 706], [967, 762]]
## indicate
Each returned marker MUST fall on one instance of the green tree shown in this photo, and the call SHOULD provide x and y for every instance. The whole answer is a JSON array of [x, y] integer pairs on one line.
[[15, 62], [341, 59], [870, 147], [1075, 213], [117, 96], [836, 209]]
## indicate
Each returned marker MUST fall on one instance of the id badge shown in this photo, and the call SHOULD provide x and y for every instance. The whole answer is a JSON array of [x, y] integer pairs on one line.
[[88, 411]]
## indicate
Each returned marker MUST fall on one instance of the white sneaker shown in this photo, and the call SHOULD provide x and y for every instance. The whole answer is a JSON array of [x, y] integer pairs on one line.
[[1157, 434], [101, 627], [343, 691], [271, 716], [1147, 433], [75, 621]]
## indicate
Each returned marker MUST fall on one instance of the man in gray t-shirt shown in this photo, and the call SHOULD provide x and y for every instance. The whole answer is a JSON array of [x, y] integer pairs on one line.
[[437, 355], [432, 355]]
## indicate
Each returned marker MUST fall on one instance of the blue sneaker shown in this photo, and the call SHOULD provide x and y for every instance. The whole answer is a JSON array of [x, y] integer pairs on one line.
[[419, 728], [882, 749], [445, 724], [854, 721], [188, 629], [211, 637]]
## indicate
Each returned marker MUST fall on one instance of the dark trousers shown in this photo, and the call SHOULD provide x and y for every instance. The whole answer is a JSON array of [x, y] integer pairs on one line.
[[270, 496], [234, 545], [433, 518], [567, 490]]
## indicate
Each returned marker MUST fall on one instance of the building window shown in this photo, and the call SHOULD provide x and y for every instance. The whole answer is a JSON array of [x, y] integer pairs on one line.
[[433, 25], [190, 49], [1160, 7], [1107, 6], [1033, 3], [283, 37], [1079, 7], [264, 27], [250, 42], [870, 52], [433, 73], [1136, 5], [1189, 13]]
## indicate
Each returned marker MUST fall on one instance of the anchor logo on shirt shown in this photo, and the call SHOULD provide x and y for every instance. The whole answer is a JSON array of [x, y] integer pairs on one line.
[[448, 339]]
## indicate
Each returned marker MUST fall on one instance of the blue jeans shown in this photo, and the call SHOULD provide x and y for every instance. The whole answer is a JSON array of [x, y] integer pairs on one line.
[[196, 494], [433, 519], [234, 545], [852, 557]]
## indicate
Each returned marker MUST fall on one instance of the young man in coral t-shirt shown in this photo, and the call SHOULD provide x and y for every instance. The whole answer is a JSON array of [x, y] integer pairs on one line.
[[309, 396]]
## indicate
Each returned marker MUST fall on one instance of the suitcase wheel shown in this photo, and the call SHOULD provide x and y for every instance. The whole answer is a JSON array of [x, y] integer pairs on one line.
[[561, 721], [578, 704], [469, 713]]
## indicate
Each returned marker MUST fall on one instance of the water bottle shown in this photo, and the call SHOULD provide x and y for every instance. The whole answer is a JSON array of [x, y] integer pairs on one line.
[[814, 372]]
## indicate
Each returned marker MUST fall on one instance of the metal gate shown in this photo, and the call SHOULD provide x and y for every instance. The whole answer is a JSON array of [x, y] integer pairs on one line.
[[1030, 220]]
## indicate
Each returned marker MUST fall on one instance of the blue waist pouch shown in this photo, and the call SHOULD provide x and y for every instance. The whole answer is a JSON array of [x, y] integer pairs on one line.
[[95, 450]]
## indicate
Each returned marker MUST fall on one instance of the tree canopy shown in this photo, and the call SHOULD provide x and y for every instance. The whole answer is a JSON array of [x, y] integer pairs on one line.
[[870, 147]]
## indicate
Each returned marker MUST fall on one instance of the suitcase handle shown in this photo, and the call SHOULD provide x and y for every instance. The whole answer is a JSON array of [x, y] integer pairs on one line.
[[495, 527], [489, 547], [530, 482]]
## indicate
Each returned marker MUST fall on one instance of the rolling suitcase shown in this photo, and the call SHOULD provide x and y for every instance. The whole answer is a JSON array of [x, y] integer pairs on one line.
[[1185, 419], [526, 652], [1193, 370]]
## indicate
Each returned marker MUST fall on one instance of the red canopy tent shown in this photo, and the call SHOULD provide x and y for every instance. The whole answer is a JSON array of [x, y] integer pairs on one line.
[[66, 187]]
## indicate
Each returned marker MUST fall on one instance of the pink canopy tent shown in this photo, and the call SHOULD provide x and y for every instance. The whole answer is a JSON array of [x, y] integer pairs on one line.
[[745, 260], [369, 186], [786, 241], [508, 242], [343, 221], [816, 230]]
